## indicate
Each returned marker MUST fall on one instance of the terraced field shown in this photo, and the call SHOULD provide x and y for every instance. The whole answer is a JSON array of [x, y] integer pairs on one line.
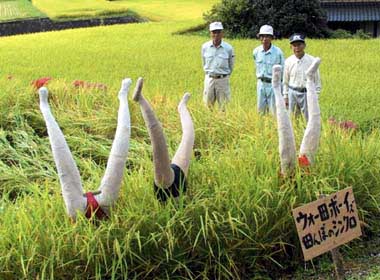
[[153, 10], [18, 9]]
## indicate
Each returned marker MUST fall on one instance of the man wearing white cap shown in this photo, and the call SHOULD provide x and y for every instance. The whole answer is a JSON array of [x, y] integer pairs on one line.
[[218, 63], [265, 56]]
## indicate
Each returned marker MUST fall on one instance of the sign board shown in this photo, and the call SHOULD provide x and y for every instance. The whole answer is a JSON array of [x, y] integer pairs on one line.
[[327, 223]]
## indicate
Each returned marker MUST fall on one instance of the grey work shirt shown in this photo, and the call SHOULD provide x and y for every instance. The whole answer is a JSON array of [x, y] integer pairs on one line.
[[218, 60], [265, 60]]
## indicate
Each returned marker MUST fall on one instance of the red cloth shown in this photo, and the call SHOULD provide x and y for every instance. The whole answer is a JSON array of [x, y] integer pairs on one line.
[[303, 161], [40, 82], [84, 84], [345, 125], [93, 207], [79, 83]]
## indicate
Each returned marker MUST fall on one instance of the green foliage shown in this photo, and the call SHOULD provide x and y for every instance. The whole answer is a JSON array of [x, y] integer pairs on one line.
[[340, 34], [243, 18], [344, 34], [361, 34]]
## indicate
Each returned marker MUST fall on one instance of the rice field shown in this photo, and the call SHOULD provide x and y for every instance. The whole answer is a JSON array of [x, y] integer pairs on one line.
[[156, 10], [235, 221], [18, 9]]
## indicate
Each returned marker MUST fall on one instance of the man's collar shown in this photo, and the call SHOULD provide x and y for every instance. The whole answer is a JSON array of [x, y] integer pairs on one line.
[[222, 44], [302, 58], [269, 50]]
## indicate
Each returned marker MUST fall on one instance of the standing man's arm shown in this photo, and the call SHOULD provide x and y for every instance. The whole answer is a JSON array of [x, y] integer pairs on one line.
[[231, 60], [282, 60], [254, 62], [282, 63], [203, 57]]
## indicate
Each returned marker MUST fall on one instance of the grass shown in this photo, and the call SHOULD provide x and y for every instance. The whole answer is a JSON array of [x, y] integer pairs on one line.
[[63, 9], [235, 220], [156, 10], [18, 9]]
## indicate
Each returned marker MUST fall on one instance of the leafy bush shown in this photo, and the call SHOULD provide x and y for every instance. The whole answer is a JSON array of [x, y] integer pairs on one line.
[[344, 34], [361, 34], [340, 34], [243, 18]]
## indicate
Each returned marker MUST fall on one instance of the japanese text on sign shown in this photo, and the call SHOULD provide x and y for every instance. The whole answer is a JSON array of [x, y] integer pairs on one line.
[[327, 223]]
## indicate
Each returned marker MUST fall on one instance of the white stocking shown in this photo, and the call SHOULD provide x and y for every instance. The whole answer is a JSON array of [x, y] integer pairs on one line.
[[287, 146], [113, 176], [310, 142], [67, 170]]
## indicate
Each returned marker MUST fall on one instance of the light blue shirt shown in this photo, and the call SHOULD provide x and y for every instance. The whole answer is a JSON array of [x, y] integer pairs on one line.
[[266, 59], [218, 60]]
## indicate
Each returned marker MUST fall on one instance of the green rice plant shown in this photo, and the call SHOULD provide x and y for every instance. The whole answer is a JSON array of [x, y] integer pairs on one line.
[[235, 221]]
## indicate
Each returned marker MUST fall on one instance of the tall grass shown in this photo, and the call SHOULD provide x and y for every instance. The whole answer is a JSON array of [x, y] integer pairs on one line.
[[236, 218]]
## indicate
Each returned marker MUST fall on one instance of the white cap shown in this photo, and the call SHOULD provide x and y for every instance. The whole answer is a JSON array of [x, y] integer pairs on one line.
[[266, 30], [216, 26]]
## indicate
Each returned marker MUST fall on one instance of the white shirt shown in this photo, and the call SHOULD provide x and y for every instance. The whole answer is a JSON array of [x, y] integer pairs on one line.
[[295, 73], [218, 60]]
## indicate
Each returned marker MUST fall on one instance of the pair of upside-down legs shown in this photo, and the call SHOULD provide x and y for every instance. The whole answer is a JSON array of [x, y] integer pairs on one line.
[[310, 141], [101, 201]]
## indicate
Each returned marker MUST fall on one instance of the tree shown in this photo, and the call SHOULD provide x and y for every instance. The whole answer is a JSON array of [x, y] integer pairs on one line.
[[243, 18]]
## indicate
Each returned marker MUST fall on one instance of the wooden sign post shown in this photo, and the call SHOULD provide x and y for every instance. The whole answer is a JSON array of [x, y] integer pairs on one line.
[[327, 223]]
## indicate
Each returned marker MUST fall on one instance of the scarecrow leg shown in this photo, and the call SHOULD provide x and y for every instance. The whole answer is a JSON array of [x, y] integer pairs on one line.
[[287, 146], [113, 176], [67, 170], [310, 142], [163, 173], [185, 149]]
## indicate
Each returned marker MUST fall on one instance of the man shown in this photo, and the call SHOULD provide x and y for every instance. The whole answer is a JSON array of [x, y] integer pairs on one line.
[[218, 62], [295, 76], [265, 56]]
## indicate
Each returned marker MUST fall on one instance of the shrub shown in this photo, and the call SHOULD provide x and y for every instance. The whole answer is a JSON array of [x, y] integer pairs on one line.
[[361, 34], [340, 34], [243, 18]]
